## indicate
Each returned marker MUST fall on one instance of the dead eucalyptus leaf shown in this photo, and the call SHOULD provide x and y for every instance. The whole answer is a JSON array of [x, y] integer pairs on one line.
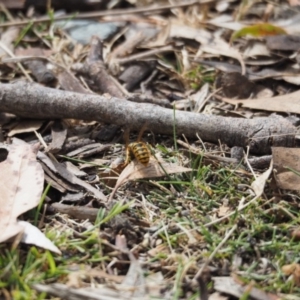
[[61, 169], [26, 126], [287, 165], [32, 235], [256, 49], [233, 286], [136, 170], [209, 43], [21, 187], [292, 269], [218, 46], [283, 42], [258, 30], [286, 103], [59, 135], [70, 83], [259, 183]]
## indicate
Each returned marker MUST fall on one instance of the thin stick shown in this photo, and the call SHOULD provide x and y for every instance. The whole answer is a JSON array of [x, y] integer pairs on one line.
[[144, 54], [104, 13], [246, 155], [3, 47]]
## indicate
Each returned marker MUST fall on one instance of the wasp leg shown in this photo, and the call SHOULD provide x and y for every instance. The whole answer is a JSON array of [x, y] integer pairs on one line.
[[142, 130], [128, 156]]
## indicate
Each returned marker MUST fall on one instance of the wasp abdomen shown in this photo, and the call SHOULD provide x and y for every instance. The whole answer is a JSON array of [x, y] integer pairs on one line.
[[140, 151]]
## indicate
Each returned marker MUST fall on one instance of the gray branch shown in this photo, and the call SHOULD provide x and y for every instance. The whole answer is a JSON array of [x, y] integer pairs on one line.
[[35, 101]]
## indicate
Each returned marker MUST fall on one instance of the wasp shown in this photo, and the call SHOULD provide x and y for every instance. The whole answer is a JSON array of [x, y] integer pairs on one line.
[[138, 150]]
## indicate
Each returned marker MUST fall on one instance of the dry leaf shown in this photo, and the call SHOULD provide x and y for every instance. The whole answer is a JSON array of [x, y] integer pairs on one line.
[[59, 135], [232, 286], [285, 161], [60, 169], [70, 83], [209, 43], [226, 22], [134, 282], [111, 174], [294, 2], [259, 183], [33, 51], [200, 97], [283, 42], [292, 269], [258, 30], [255, 49], [295, 234], [223, 210], [200, 35], [136, 170], [32, 235], [21, 187], [26, 126], [16, 4], [159, 249], [75, 278], [8, 38], [154, 284], [219, 46], [286, 103], [217, 296]]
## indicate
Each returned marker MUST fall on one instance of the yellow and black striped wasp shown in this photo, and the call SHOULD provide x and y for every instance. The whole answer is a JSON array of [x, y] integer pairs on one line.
[[138, 150]]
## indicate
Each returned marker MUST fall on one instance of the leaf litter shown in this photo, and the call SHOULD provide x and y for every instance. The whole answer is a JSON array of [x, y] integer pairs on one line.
[[21, 190], [209, 222]]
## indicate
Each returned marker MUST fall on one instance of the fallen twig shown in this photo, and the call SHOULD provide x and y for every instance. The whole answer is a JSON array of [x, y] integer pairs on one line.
[[35, 101], [105, 13]]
